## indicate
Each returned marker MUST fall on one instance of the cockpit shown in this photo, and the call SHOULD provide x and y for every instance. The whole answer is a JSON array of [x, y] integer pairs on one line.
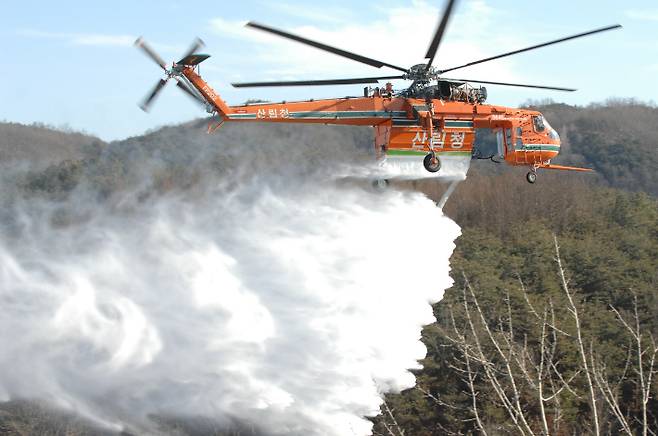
[[525, 138], [541, 125]]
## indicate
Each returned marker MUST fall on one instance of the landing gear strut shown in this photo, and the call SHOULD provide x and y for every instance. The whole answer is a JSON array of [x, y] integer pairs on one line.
[[531, 177], [432, 162]]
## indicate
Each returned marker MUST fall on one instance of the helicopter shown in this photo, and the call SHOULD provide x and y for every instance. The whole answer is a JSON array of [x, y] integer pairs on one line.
[[433, 119]]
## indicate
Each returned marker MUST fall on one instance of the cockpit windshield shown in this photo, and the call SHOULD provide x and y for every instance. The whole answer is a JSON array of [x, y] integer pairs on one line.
[[539, 123]]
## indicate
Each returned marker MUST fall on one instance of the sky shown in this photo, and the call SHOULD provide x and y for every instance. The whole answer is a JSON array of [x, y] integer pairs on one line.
[[72, 64]]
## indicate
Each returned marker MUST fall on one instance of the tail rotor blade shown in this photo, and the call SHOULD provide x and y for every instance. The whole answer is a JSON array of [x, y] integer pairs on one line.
[[146, 104], [140, 43], [197, 44], [186, 89]]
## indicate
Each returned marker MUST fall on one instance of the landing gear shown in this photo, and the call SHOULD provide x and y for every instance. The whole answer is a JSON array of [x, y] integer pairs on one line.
[[432, 163], [531, 177], [380, 184]]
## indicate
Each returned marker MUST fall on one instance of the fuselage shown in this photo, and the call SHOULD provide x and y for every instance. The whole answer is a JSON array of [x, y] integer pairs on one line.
[[409, 127]]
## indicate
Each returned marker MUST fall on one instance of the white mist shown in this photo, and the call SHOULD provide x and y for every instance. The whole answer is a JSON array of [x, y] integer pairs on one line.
[[292, 309]]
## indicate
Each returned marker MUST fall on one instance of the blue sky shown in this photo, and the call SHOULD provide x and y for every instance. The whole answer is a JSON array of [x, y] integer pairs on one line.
[[72, 63]]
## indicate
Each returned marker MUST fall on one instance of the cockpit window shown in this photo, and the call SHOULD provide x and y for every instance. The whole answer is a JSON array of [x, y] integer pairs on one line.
[[538, 122]]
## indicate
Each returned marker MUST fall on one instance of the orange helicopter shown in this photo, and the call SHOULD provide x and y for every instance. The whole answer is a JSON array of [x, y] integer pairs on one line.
[[432, 119]]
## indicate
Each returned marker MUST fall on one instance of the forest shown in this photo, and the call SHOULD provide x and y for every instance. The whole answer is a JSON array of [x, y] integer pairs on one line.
[[509, 324], [550, 326]]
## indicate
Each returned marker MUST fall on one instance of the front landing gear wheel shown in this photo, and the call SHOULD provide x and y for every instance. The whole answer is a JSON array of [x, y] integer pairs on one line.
[[380, 184], [432, 163], [531, 177]]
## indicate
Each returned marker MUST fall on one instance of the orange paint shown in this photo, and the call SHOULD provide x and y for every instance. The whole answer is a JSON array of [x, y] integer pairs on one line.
[[410, 126]]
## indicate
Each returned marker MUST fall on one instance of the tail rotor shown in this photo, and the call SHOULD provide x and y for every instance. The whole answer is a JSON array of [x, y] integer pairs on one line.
[[173, 72]]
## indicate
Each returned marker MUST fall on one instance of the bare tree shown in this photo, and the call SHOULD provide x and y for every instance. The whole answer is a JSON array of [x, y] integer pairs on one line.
[[390, 423], [523, 377], [573, 308], [521, 373], [644, 368]]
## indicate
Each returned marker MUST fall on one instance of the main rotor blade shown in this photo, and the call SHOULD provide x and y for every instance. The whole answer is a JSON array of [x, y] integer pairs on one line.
[[603, 29], [148, 100], [330, 49], [511, 84], [315, 82], [189, 92], [434, 45], [197, 44], [140, 43]]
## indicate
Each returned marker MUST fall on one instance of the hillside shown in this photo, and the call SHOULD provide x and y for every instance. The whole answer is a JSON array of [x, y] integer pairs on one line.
[[619, 139], [40, 145], [604, 223], [182, 156]]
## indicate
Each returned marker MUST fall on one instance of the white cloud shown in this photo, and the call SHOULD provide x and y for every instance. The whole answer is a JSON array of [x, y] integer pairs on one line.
[[92, 39], [643, 15], [229, 28], [100, 40], [401, 38], [309, 12], [103, 40]]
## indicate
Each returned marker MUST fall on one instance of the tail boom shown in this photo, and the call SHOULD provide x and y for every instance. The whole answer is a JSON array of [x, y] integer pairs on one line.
[[207, 92]]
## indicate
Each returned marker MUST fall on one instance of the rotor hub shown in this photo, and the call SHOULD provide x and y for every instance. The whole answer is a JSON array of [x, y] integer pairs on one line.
[[421, 73]]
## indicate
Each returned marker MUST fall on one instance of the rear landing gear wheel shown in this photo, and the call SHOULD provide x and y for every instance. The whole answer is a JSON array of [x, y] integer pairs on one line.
[[432, 163], [531, 177]]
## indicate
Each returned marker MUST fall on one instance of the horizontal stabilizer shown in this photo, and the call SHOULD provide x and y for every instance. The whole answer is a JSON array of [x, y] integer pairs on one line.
[[193, 59], [562, 167]]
